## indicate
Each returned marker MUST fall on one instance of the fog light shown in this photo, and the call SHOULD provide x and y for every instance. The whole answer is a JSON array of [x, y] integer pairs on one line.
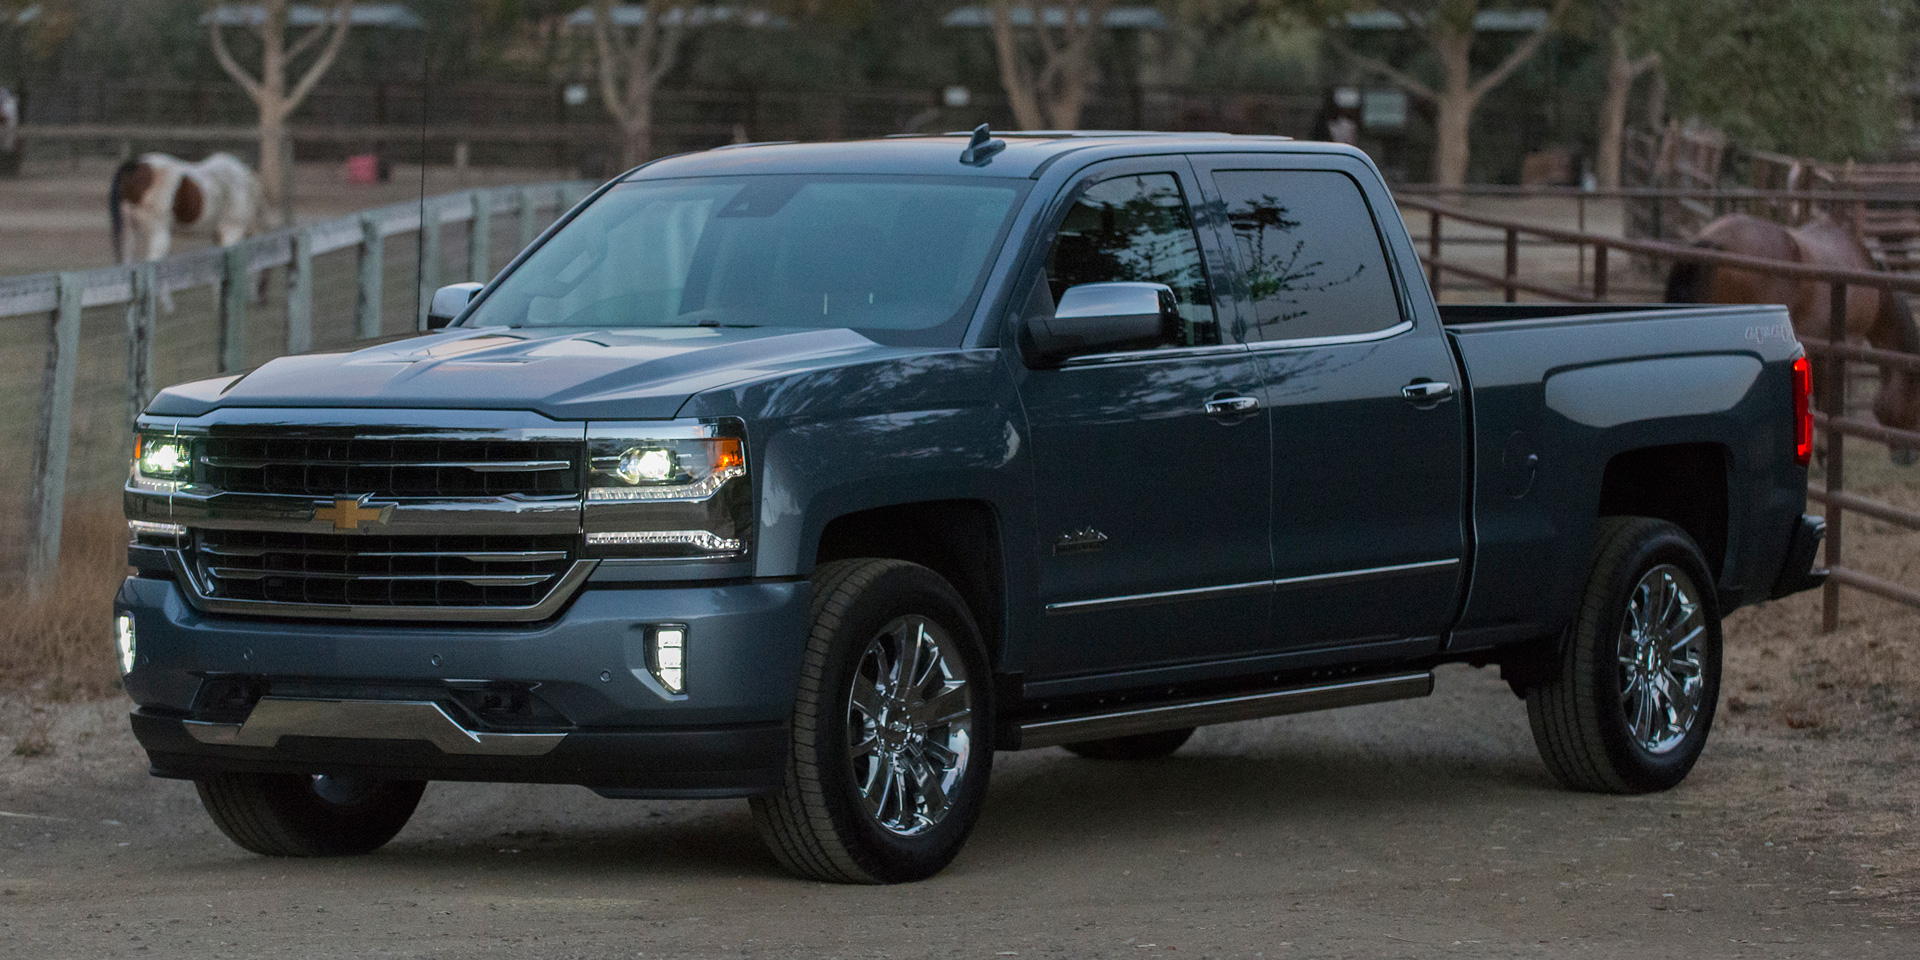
[[666, 656], [123, 641]]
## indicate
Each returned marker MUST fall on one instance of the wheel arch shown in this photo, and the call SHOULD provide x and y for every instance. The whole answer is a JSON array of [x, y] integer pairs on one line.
[[960, 539], [1684, 484]]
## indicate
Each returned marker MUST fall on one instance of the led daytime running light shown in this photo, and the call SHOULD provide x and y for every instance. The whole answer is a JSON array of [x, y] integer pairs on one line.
[[703, 539], [698, 490]]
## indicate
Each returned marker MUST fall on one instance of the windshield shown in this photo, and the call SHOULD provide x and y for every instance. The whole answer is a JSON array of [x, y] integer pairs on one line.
[[881, 254]]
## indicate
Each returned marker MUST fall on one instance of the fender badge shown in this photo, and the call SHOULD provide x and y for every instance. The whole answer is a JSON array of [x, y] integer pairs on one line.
[[1083, 540], [350, 514]]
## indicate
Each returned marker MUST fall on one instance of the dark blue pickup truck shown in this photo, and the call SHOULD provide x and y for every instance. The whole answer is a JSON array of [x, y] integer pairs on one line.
[[817, 474]]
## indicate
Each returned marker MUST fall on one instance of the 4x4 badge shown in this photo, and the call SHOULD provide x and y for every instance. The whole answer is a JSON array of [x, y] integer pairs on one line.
[[350, 514]]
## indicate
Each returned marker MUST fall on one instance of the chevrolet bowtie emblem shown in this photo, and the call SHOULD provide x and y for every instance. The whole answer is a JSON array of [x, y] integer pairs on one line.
[[350, 514]]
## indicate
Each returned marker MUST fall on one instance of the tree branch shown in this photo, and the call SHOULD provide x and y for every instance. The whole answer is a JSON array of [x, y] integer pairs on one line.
[[306, 41], [1372, 64], [239, 74], [323, 63], [1520, 55]]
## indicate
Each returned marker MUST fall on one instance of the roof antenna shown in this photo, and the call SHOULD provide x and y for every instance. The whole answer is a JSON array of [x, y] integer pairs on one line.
[[981, 148]]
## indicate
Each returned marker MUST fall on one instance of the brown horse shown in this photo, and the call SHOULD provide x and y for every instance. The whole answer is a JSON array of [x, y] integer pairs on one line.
[[1879, 317]]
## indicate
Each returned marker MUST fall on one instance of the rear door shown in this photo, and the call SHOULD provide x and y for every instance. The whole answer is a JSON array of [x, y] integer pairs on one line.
[[1368, 509], [1151, 463]]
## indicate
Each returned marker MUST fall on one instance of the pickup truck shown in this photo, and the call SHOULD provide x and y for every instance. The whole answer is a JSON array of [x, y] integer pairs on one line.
[[815, 474]]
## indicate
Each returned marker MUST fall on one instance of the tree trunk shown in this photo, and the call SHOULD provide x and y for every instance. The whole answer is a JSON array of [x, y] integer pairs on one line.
[[1613, 120], [636, 130], [275, 164], [1452, 123]]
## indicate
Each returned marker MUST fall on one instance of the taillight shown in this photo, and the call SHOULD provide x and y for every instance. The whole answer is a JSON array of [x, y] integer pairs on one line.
[[1802, 411]]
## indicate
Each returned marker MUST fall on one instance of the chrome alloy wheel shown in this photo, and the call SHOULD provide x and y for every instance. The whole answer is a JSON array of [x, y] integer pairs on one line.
[[907, 725], [1661, 679]]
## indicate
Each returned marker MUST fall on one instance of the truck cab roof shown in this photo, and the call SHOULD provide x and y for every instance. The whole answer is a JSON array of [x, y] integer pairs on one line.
[[1028, 153]]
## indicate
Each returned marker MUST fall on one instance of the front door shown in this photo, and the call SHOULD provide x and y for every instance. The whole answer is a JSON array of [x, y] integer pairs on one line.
[[1368, 432], [1152, 465]]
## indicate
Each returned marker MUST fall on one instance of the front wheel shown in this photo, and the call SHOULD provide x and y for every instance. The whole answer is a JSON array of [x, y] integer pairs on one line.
[[892, 730], [1633, 696], [285, 815]]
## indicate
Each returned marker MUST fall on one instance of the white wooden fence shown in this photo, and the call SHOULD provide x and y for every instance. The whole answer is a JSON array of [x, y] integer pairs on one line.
[[227, 279]]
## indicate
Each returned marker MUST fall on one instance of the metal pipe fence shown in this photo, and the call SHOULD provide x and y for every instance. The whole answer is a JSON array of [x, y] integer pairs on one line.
[[1833, 354], [86, 349]]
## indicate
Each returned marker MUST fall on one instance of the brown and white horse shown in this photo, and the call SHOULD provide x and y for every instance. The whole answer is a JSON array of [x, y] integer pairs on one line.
[[156, 194], [1878, 317]]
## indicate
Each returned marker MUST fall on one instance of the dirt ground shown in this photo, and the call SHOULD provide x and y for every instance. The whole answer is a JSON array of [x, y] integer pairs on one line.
[[54, 216], [1413, 829]]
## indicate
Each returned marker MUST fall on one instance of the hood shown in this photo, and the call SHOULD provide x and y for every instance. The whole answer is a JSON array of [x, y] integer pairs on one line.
[[629, 374]]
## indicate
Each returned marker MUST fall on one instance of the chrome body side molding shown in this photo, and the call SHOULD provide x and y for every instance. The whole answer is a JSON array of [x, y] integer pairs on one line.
[[1284, 583], [276, 717], [1202, 712]]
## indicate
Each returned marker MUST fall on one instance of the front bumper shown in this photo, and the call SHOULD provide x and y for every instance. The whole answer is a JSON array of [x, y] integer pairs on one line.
[[1799, 571], [397, 700]]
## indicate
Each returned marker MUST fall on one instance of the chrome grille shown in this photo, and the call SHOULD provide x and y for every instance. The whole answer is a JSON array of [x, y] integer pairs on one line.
[[325, 466], [380, 571]]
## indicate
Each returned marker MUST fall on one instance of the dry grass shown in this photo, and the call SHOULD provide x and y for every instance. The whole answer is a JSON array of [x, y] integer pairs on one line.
[[58, 645]]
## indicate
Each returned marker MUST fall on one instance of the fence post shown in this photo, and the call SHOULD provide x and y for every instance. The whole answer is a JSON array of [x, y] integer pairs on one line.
[[429, 261], [142, 308], [1836, 404], [1513, 264], [1433, 251], [480, 237], [366, 315], [1599, 272], [234, 293], [53, 435], [529, 217], [300, 293]]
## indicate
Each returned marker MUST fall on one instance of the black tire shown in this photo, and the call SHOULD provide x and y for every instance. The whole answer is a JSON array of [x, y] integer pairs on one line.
[[283, 815], [818, 825], [1140, 746], [1579, 720]]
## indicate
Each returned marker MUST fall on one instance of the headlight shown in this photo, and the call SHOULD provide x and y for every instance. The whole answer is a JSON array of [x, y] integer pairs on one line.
[[668, 491], [162, 459]]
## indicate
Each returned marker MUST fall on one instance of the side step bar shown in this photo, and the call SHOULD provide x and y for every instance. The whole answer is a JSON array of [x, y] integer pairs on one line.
[[1211, 710]]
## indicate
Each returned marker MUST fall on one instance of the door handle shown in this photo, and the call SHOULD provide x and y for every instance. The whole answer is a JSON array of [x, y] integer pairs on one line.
[[1231, 406], [1427, 391]]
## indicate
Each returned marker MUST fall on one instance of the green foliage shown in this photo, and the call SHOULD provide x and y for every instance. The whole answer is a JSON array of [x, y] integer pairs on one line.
[[1806, 77]]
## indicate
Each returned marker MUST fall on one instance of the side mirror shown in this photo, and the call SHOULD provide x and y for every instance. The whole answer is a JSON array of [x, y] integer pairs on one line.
[[448, 301], [1102, 317]]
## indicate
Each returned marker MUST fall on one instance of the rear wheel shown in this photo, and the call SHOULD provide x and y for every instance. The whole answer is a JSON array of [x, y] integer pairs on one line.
[[1140, 746], [892, 744], [285, 815], [1633, 696]]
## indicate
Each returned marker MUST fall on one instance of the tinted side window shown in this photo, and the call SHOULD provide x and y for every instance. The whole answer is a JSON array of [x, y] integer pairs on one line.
[[1307, 250], [1136, 228]]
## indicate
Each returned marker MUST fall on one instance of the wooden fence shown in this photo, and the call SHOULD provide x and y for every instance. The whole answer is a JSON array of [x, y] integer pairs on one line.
[[370, 282], [1833, 352]]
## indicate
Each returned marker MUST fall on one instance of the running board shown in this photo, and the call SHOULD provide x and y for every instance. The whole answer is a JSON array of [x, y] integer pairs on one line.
[[1200, 713]]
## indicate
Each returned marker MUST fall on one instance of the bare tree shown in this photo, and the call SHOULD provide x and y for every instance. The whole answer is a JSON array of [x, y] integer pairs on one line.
[[1048, 72], [631, 64], [1617, 19], [1449, 29], [273, 91]]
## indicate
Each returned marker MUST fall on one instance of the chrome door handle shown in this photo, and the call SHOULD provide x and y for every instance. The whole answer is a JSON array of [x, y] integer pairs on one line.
[[1427, 391], [1231, 406]]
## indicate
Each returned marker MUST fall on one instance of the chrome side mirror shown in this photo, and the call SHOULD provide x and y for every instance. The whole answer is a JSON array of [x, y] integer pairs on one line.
[[448, 302], [1103, 317]]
